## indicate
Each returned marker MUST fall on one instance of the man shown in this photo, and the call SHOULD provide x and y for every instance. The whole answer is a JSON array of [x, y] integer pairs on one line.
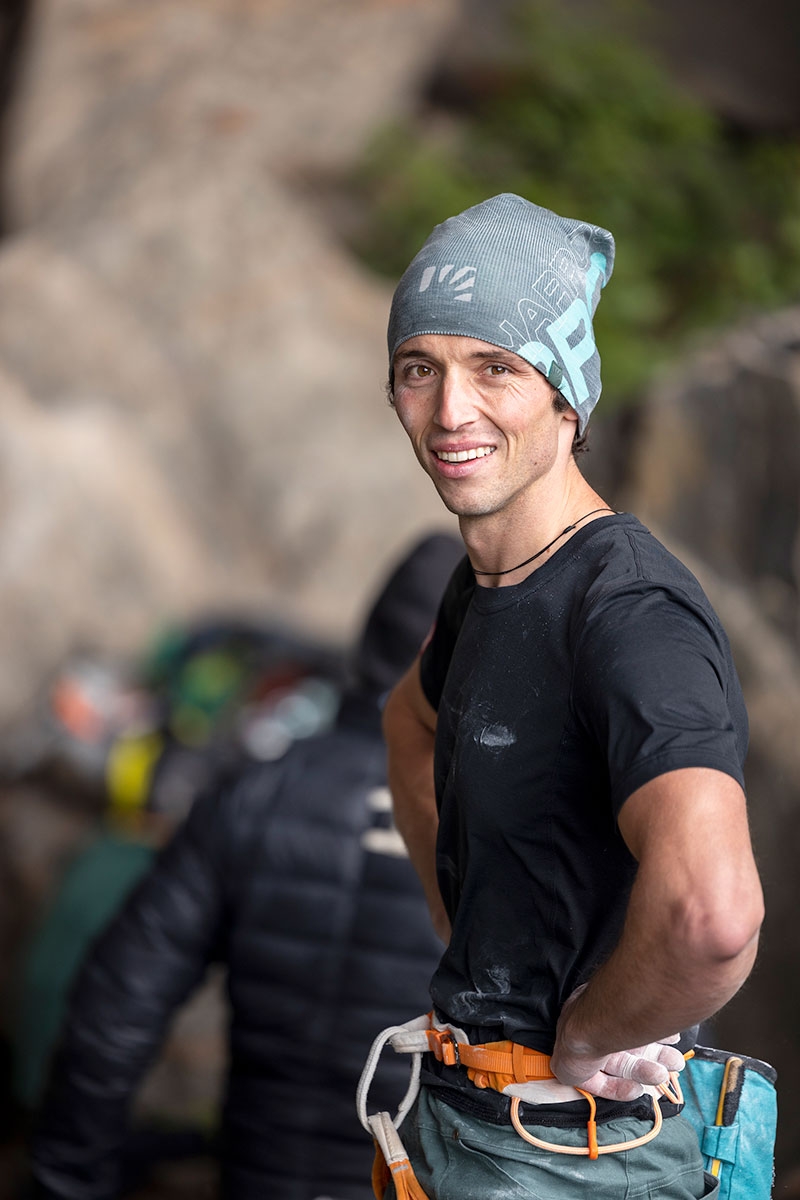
[[566, 757], [294, 878]]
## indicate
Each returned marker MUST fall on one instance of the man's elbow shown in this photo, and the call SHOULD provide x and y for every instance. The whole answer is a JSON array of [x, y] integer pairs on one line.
[[725, 932]]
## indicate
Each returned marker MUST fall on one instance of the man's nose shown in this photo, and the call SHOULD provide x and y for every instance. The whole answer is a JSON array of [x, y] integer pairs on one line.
[[455, 406]]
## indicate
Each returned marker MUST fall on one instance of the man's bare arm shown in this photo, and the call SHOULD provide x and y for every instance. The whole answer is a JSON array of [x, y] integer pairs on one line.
[[690, 934], [409, 725]]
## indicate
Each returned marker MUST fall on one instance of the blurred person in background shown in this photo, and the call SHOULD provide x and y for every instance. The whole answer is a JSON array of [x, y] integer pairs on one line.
[[136, 743], [566, 757], [291, 875]]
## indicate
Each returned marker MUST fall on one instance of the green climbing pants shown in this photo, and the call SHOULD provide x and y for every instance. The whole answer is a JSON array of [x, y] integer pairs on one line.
[[458, 1157]]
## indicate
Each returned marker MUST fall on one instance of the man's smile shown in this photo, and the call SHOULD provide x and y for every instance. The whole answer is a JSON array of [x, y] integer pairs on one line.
[[457, 456]]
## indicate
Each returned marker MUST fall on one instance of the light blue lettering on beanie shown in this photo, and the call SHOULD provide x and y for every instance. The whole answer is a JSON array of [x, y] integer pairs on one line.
[[515, 275]]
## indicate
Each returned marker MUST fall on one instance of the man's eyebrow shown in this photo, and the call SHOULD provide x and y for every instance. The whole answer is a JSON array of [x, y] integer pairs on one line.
[[499, 353]]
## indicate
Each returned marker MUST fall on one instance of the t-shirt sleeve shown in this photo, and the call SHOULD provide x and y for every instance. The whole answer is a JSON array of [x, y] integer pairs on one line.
[[438, 650], [656, 688]]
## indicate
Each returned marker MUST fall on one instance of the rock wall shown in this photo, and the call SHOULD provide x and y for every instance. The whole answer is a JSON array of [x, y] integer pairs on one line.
[[191, 366]]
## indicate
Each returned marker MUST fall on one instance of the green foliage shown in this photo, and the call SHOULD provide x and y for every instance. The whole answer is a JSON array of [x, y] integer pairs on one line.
[[707, 225]]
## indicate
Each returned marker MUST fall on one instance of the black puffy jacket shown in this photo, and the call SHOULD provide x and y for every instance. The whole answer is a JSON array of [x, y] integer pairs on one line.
[[286, 879]]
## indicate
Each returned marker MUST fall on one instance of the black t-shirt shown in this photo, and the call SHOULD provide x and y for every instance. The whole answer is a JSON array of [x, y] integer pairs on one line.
[[557, 698]]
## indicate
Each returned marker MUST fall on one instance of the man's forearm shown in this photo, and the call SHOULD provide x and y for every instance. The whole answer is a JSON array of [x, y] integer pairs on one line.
[[608, 1035], [691, 927], [410, 743], [654, 985]]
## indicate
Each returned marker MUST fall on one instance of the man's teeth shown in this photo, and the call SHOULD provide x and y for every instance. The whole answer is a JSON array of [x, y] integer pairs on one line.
[[463, 455]]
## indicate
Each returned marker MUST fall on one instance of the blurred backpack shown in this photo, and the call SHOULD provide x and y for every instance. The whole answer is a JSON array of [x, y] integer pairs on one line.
[[141, 739]]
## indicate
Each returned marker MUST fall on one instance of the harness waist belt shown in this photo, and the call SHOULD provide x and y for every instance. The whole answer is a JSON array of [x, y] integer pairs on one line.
[[493, 1064]]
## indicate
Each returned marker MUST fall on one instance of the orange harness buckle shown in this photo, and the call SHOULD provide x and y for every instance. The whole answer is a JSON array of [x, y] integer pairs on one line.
[[444, 1047]]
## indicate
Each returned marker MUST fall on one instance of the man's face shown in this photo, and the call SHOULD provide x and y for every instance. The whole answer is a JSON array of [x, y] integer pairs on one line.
[[481, 421]]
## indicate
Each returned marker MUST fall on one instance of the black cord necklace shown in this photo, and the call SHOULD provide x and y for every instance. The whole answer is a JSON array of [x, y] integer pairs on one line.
[[544, 549]]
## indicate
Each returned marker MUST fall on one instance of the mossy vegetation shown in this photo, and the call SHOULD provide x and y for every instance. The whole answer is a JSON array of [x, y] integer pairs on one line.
[[707, 221]]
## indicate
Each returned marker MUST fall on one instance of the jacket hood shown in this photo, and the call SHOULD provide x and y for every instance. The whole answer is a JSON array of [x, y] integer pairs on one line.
[[402, 614]]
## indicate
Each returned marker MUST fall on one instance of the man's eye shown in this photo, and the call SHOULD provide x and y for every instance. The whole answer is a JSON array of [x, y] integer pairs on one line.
[[419, 371], [497, 369]]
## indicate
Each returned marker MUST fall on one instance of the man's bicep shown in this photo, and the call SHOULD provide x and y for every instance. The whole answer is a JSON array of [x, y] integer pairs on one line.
[[689, 831], [697, 875], [673, 812]]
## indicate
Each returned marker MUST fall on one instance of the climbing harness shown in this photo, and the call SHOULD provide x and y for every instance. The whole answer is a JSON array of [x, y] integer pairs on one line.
[[502, 1066]]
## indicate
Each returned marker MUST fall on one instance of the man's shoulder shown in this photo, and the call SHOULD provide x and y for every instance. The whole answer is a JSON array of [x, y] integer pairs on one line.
[[641, 603], [633, 580], [626, 553]]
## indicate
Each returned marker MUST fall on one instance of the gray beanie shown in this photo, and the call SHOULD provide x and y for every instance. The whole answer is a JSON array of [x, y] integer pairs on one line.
[[516, 275]]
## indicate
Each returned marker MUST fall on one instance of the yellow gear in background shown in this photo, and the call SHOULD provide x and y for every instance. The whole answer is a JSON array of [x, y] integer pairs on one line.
[[129, 771]]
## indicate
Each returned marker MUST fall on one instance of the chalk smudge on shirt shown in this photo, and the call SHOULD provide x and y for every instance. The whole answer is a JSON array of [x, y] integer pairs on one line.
[[496, 737]]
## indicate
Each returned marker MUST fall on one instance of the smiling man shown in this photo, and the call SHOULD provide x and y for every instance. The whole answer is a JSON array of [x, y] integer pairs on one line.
[[566, 757], [479, 467]]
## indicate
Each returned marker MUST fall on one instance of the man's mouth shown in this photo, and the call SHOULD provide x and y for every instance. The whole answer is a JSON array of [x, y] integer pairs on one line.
[[457, 456]]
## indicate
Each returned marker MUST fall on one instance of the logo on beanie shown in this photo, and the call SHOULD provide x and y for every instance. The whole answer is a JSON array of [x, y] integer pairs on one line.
[[553, 329], [459, 282]]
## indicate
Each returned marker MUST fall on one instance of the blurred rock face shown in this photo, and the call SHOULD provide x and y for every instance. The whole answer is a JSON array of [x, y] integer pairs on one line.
[[191, 368], [717, 461]]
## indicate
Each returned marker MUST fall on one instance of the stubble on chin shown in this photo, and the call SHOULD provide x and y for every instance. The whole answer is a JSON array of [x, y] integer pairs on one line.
[[464, 506]]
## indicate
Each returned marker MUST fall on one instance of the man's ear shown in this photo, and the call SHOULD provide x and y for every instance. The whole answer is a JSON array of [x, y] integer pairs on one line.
[[569, 429], [569, 424]]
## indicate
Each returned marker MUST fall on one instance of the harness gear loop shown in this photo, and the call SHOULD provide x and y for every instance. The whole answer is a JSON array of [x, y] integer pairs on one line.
[[591, 1149], [410, 1039]]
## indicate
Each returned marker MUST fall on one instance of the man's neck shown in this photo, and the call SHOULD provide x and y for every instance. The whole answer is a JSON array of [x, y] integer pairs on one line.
[[498, 544]]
